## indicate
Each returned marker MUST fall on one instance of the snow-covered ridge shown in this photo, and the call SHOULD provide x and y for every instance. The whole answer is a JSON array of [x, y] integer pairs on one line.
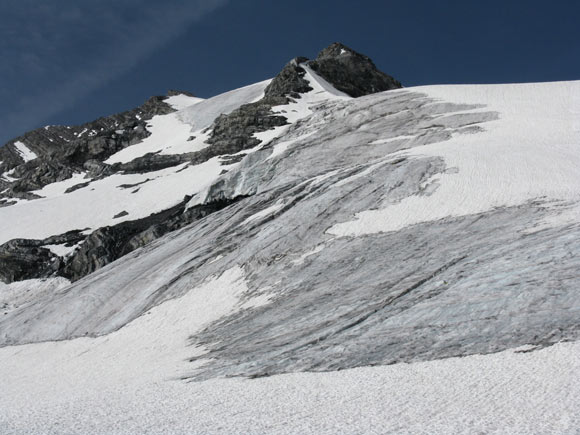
[[185, 131]]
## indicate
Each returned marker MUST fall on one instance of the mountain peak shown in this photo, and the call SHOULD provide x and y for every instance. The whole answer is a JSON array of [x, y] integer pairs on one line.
[[175, 92], [337, 49], [350, 72], [347, 70]]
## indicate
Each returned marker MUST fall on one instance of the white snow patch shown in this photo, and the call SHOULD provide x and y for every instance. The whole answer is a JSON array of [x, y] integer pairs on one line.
[[182, 101], [202, 114], [26, 153], [169, 135], [216, 258], [8, 175], [532, 152], [265, 137], [62, 250], [59, 188]]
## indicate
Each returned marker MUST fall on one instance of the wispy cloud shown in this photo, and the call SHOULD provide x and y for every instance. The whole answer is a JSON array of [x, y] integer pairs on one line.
[[54, 53]]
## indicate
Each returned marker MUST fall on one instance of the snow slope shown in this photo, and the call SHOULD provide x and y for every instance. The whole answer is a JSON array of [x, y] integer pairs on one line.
[[532, 152], [128, 382], [96, 204], [431, 231]]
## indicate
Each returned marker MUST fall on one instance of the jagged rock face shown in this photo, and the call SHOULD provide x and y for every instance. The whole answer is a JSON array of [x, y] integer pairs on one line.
[[235, 132], [290, 81], [25, 259], [22, 259], [351, 72], [110, 243], [62, 150]]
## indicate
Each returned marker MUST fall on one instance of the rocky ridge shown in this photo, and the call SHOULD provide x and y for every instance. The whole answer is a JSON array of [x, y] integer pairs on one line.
[[62, 151]]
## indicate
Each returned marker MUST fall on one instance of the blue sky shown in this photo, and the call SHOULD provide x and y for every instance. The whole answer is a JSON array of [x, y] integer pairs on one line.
[[70, 61]]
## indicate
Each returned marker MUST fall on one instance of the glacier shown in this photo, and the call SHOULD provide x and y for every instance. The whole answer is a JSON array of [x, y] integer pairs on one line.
[[409, 257]]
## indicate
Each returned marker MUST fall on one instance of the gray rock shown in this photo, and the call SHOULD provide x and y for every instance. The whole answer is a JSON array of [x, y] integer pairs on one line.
[[350, 72]]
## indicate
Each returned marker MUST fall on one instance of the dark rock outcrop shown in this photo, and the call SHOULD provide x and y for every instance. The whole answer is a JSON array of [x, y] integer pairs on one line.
[[25, 259], [22, 259], [350, 72], [107, 244], [290, 81], [64, 150]]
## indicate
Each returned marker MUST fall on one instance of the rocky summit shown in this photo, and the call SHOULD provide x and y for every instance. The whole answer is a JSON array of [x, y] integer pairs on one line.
[[340, 220], [55, 153]]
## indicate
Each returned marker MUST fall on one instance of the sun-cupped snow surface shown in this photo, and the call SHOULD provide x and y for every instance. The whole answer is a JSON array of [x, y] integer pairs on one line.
[[97, 204], [129, 382], [26, 153], [532, 152]]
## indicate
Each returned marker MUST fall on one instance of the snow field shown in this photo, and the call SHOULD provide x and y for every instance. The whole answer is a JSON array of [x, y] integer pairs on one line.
[[128, 382], [531, 153], [95, 205]]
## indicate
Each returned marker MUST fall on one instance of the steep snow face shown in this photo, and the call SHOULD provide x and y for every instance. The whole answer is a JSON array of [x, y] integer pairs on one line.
[[182, 101], [202, 115], [532, 152]]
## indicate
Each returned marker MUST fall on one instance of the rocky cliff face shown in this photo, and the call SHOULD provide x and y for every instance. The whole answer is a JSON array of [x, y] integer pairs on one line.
[[56, 153]]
